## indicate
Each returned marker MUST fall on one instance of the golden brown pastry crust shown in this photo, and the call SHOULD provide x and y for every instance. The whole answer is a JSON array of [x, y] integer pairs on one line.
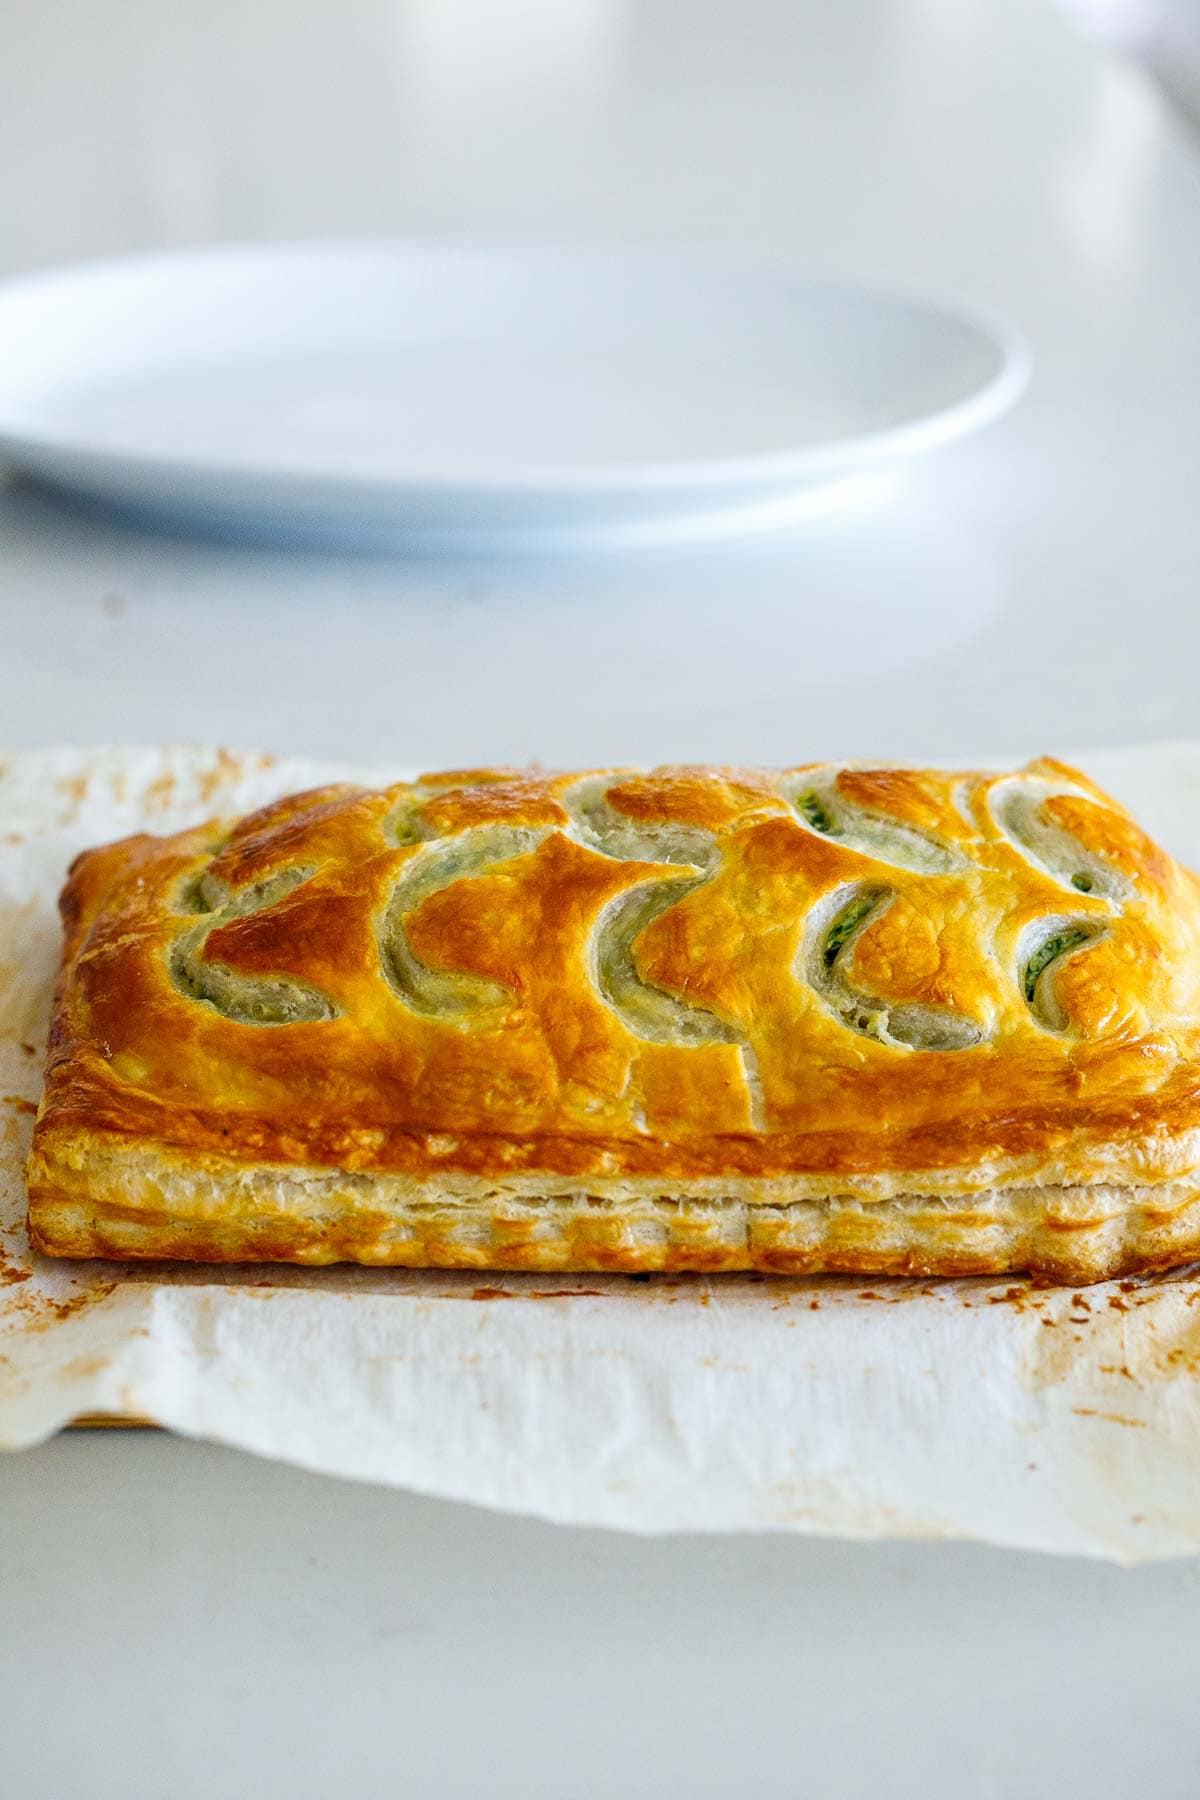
[[856, 1018]]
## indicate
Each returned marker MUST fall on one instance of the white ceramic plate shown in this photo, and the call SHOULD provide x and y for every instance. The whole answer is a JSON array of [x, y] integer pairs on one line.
[[467, 397]]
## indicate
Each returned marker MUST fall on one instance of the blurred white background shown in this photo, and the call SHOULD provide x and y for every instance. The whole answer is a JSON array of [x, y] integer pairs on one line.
[[1163, 35]]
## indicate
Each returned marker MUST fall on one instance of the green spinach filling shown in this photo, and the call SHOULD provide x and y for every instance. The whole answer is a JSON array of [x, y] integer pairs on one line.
[[1061, 944], [845, 925], [817, 816]]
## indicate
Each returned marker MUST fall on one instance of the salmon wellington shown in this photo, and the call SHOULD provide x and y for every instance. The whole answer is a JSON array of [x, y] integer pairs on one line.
[[879, 1020]]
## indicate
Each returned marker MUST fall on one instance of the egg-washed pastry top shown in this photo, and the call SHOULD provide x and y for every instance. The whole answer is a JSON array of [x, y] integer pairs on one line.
[[874, 1019]]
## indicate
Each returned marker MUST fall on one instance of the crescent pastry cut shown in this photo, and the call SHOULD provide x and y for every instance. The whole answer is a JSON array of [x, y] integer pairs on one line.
[[832, 1018]]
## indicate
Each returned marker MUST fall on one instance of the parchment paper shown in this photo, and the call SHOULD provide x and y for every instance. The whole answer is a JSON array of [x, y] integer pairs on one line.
[[987, 1409]]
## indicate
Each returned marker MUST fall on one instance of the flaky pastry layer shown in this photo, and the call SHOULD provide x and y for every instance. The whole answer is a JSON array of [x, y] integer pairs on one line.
[[826, 1017], [125, 1207]]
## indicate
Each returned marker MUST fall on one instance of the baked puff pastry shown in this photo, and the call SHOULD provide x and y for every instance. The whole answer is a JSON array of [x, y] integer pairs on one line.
[[866, 1019]]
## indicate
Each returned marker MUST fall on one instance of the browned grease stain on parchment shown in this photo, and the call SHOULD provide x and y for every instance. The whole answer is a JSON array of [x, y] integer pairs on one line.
[[1125, 1335], [228, 770], [500, 1293], [1094, 1412], [38, 1311], [73, 791], [27, 967]]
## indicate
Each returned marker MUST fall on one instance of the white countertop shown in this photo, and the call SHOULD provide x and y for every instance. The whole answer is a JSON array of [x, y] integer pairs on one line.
[[179, 1621]]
